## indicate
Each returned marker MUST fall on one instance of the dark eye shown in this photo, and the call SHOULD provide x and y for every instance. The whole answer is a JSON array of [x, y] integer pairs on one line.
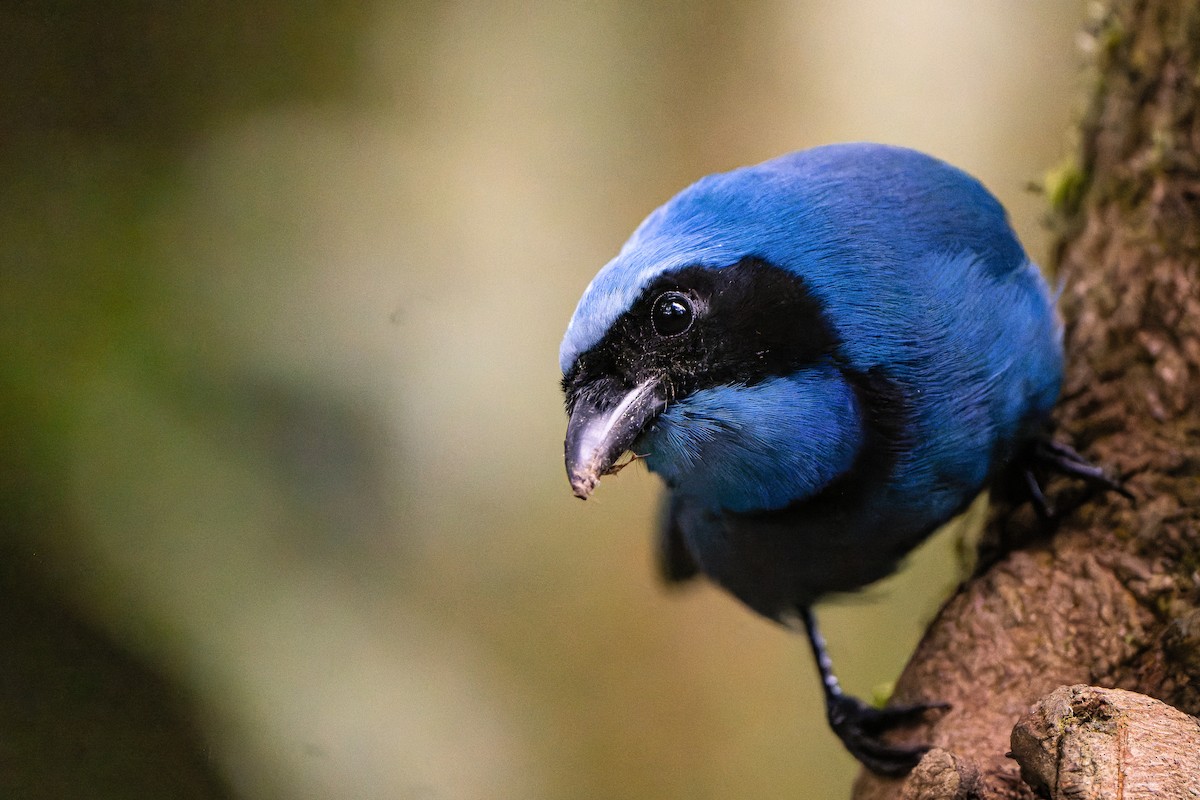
[[672, 314]]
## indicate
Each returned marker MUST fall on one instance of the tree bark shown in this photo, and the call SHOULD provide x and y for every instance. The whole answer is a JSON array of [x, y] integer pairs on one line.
[[1093, 744], [1111, 598]]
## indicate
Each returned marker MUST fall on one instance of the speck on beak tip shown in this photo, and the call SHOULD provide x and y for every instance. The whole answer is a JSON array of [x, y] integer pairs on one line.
[[598, 433], [584, 483]]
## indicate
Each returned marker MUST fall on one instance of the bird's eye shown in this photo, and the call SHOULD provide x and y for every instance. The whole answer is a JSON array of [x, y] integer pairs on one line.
[[672, 314]]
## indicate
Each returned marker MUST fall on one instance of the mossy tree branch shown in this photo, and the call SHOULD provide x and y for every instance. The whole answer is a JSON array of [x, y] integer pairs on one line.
[[1113, 597]]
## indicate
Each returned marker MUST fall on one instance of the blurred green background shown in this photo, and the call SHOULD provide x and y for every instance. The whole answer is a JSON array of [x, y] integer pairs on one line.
[[283, 511]]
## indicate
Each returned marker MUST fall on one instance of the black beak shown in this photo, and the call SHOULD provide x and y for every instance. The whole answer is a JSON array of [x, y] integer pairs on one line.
[[603, 427]]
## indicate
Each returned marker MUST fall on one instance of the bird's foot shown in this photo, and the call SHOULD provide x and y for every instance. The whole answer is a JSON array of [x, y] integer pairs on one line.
[[1062, 458], [859, 726]]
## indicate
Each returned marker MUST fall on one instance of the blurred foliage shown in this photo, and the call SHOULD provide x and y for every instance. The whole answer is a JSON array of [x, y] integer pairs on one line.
[[155, 75], [282, 289], [80, 718]]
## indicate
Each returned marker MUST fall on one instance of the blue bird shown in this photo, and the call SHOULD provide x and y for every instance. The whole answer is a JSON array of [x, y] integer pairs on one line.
[[825, 357]]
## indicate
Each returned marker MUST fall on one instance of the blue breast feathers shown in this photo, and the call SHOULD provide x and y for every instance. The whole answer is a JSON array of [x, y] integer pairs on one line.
[[793, 434]]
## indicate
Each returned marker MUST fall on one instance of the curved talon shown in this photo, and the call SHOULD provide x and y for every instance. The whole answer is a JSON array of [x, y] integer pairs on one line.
[[1068, 461], [859, 726], [1045, 511]]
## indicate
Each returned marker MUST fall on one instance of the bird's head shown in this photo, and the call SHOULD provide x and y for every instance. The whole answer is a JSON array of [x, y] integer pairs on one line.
[[747, 337], [690, 336], [702, 348]]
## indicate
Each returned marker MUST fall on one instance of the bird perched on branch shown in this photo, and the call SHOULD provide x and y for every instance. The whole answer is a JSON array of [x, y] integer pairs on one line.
[[825, 357]]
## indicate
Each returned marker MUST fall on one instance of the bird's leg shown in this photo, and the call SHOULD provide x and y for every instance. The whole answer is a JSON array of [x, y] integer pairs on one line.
[[859, 725]]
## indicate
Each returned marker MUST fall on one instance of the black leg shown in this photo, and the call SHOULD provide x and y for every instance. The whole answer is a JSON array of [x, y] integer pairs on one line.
[[859, 725]]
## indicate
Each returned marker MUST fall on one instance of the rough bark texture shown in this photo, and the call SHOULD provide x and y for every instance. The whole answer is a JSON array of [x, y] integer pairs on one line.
[[1095, 744], [1111, 598]]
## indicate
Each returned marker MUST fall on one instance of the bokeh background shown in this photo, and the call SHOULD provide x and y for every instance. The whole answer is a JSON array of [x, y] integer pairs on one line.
[[281, 292]]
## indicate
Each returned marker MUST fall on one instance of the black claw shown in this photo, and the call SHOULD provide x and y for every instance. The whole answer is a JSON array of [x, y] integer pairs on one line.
[[1066, 460], [1041, 505], [1047, 454], [859, 726]]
